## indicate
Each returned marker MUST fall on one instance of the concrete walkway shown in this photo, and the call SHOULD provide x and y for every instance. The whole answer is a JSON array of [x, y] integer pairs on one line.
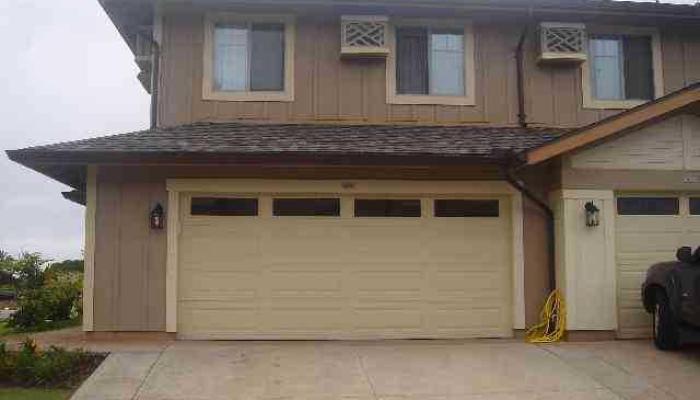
[[410, 370]]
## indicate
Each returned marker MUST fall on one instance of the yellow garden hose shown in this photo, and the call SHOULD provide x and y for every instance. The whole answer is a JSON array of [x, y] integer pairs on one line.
[[552, 321]]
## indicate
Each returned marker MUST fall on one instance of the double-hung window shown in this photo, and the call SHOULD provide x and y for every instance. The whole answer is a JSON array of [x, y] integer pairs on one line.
[[431, 65], [248, 59], [621, 70]]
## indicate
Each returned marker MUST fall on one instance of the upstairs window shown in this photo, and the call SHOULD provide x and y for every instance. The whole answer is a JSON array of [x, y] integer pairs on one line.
[[431, 65], [430, 62], [248, 59], [622, 67]]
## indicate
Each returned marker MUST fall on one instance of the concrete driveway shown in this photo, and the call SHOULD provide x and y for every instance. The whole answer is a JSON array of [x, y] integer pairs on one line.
[[411, 370]]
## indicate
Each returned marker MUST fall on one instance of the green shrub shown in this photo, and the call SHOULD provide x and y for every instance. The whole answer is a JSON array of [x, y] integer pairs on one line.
[[59, 299], [55, 367]]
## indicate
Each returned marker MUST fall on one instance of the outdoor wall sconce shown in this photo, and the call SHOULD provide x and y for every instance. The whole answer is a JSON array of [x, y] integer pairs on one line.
[[592, 214], [157, 220]]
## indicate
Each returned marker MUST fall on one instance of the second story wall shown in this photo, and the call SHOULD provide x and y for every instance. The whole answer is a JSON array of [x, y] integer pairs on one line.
[[330, 89]]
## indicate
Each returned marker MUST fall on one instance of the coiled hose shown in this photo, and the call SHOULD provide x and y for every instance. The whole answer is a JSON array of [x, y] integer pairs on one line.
[[552, 325]]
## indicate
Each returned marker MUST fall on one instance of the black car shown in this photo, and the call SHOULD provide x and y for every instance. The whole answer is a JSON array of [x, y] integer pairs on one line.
[[671, 292]]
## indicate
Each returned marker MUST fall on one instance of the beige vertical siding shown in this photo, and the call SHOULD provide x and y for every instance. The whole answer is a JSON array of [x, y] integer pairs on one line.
[[670, 145], [330, 89]]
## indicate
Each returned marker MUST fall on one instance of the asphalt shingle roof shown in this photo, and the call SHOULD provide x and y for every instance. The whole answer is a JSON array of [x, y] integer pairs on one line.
[[327, 139]]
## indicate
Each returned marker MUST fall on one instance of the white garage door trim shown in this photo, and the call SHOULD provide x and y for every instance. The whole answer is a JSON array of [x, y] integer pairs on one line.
[[177, 186]]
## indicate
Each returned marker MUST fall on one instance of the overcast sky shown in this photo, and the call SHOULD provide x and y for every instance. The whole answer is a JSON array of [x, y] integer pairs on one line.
[[65, 74]]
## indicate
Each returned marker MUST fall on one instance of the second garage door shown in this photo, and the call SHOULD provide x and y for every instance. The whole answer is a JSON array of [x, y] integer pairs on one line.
[[341, 267], [650, 228]]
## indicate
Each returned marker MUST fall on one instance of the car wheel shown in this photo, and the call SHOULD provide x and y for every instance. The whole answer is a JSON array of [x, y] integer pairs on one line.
[[666, 335]]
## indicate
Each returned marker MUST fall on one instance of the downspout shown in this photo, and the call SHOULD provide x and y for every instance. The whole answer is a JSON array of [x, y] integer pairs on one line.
[[155, 75], [520, 77], [520, 186]]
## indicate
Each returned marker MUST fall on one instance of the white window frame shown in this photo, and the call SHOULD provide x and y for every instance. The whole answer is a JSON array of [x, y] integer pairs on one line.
[[469, 98], [589, 101], [208, 90]]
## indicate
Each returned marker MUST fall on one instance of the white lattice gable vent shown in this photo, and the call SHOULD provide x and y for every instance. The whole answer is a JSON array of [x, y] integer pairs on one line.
[[364, 35], [562, 42]]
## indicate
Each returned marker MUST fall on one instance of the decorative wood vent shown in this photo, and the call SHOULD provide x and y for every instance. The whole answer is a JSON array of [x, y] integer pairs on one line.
[[562, 42], [364, 36]]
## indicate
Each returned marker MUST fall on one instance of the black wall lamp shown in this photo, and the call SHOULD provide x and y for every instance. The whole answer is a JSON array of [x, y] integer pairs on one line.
[[157, 217], [592, 214]]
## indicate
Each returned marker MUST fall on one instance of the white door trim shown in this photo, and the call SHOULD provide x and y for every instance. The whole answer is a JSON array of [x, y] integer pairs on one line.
[[173, 233], [177, 186], [90, 223], [518, 261]]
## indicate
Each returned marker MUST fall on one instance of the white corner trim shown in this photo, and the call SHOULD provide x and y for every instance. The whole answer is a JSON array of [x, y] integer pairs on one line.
[[609, 218], [89, 251], [518, 262], [173, 233]]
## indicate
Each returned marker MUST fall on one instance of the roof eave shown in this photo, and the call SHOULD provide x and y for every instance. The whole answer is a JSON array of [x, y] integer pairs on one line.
[[120, 11], [29, 157], [70, 167]]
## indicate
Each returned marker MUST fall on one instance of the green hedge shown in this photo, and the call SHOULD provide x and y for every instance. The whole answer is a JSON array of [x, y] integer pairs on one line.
[[55, 367]]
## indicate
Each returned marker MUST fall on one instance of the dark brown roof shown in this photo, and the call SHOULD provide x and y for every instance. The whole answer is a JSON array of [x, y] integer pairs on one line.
[[212, 139]]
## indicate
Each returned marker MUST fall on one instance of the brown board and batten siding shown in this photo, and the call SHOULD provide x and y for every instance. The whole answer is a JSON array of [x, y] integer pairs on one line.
[[554, 93], [129, 292], [330, 89]]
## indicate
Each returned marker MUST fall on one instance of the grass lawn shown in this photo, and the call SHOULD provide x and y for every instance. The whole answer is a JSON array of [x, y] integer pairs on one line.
[[6, 330], [34, 394]]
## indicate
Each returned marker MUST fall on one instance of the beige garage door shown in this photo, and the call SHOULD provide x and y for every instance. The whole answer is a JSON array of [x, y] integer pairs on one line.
[[650, 228], [337, 267]]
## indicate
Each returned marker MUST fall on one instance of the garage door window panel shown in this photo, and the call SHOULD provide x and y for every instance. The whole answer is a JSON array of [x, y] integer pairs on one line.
[[306, 207], [648, 206], [224, 207], [408, 208], [695, 206], [460, 208]]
